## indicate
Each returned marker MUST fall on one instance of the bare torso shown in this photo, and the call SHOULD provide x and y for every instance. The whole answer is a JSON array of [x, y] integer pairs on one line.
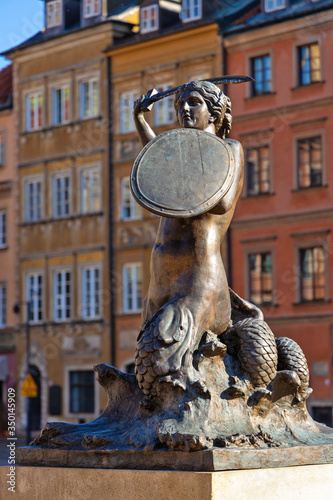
[[186, 263]]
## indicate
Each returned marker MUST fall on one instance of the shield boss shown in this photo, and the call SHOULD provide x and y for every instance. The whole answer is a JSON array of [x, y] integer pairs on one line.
[[182, 173]]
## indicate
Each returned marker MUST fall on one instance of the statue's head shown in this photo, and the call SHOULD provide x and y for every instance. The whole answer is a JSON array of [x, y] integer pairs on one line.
[[217, 104]]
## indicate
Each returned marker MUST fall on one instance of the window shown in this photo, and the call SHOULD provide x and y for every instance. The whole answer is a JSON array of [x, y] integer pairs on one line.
[[61, 295], [91, 287], [60, 105], [258, 170], [2, 148], [149, 19], [33, 200], [90, 186], [53, 13], [312, 274], [130, 209], [61, 195], [3, 306], [127, 100], [132, 287], [191, 10], [34, 111], [34, 294], [322, 414], [163, 109], [309, 162], [261, 71], [92, 8], [260, 278], [309, 64], [82, 391], [3, 229], [271, 5], [89, 98]]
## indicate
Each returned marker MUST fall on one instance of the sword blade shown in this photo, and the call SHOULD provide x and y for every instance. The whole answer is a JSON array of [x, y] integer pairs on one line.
[[150, 99]]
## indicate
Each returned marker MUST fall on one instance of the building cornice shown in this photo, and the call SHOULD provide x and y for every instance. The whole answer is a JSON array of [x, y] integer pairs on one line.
[[282, 110], [162, 39], [280, 30], [61, 43], [282, 219]]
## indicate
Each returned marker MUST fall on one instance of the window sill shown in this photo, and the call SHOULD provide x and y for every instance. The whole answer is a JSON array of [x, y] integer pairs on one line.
[[256, 96], [129, 219], [307, 85], [137, 311], [148, 31], [70, 124], [191, 19], [301, 189], [312, 302], [267, 305], [5, 247], [53, 220], [259, 195]]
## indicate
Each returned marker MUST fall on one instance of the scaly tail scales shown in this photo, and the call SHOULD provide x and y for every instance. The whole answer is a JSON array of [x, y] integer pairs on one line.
[[256, 350], [162, 345], [291, 357]]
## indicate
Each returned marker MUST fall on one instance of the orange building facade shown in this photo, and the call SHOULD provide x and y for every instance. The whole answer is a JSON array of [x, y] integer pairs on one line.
[[8, 235], [281, 237]]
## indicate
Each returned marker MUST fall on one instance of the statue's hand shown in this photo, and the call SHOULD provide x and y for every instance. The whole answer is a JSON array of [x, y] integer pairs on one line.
[[144, 103], [137, 111]]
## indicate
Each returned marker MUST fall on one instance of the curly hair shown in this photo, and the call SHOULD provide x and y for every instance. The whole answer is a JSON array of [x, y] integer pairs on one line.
[[218, 104]]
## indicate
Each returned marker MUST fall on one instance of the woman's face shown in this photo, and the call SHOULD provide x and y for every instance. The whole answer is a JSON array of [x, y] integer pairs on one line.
[[192, 111]]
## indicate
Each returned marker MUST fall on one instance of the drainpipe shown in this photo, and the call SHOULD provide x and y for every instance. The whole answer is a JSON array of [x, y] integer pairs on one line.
[[110, 215], [228, 234]]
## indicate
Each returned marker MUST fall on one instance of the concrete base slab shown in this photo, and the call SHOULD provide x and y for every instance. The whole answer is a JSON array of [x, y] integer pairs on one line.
[[313, 482], [216, 459]]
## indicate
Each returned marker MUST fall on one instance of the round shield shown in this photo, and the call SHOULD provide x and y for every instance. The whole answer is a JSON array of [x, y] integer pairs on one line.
[[182, 173]]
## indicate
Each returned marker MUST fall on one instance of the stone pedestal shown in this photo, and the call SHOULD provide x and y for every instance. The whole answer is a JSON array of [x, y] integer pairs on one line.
[[45, 483]]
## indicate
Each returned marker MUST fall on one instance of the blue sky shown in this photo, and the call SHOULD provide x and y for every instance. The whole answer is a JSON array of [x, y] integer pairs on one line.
[[19, 20]]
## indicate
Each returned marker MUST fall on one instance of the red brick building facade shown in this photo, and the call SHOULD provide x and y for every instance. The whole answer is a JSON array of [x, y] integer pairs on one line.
[[281, 238]]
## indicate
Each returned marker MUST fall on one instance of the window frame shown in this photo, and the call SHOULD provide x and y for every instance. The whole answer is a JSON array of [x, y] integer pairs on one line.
[[309, 134], [64, 318], [191, 7], [3, 305], [258, 147], [166, 105], [261, 291], [3, 229], [3, 140], [275, 7], [91, 266], [94, 13], [126, 120], [304, 241], [55, 206], [63, 120], [313, 274], [54, 24], [251, 64], [135, 210], [137, 291], [298, 64], [26, 206], [92, 112], [38, 115], [66, 393], [34, 306], [91, 170], [149, 9]]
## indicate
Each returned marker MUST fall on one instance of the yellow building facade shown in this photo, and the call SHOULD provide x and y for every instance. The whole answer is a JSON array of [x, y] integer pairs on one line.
[[61, 116]]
